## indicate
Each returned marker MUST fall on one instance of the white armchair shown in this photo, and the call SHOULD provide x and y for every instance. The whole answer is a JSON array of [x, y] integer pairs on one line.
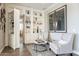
[[62, 43]]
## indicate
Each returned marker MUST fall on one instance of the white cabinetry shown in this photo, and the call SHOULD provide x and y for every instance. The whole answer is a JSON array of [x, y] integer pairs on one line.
[[33, 25], [38, 24], [27, 29], [14, 28]]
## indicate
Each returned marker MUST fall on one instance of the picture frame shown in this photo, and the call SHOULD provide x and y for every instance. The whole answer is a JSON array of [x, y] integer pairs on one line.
[[58, 21]]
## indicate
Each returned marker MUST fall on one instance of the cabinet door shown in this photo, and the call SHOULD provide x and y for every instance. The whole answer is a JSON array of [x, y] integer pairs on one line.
[[27, 29], [17, 28], [28, 38], [1, 40]]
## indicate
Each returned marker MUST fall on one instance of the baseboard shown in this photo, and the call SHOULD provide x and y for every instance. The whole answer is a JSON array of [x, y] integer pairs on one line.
[[75, 53], [1, 49]]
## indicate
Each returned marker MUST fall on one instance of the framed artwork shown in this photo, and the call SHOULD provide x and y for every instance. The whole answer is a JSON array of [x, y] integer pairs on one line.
[[35, 13], [58, 20], [27, 12]]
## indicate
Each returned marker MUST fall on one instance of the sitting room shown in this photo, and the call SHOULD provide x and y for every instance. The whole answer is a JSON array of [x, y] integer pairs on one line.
[[39, 29]]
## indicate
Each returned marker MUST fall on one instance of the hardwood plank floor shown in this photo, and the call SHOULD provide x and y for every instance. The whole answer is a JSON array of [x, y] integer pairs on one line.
[[8, 51]]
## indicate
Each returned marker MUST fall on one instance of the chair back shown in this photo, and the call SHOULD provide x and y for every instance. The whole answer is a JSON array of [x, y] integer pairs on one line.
[[67, 36], [55, 36]]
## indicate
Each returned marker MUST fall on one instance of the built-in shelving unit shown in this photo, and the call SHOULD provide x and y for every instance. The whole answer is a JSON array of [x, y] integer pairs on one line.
[[38, 24], [27, 26], [37, 21], [11, 21], [14, 28], [33, 24]]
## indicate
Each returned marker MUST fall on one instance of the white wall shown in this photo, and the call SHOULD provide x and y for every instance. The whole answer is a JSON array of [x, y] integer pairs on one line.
[[72, 20]]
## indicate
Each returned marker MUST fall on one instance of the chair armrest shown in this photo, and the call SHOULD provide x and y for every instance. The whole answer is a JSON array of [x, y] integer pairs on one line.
[[62, 42], [55, 42]]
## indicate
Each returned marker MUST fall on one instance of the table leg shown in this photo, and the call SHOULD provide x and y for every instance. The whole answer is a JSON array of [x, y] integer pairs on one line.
[[36, 48]]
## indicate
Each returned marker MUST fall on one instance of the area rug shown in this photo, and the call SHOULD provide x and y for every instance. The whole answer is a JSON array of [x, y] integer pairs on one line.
[[44, 53]]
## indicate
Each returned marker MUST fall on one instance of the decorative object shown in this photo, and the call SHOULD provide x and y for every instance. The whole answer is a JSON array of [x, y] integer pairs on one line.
[[28, 20], [27, 23], [22, 16], [2, 18], [11, 21], [35, 20], [37, 30], [28, 27], [58, 20], [36, 25], [40, 14], [35, 13], [28, 12]]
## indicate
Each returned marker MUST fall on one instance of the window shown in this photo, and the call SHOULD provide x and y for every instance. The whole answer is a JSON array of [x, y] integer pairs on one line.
[[57, 20]]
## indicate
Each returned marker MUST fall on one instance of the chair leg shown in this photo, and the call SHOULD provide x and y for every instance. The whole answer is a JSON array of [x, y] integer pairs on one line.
[[71, 54], [56, 54], [50, 49]]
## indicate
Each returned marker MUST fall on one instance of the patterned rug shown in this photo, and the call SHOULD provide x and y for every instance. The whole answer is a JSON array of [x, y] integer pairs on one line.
[[32, 50]]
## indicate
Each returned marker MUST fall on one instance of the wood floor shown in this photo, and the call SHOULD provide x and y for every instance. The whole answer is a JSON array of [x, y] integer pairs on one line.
[[8, 51]]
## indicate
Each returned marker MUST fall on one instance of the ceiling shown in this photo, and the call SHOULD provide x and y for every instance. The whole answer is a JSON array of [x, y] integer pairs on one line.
[[40, 6]]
